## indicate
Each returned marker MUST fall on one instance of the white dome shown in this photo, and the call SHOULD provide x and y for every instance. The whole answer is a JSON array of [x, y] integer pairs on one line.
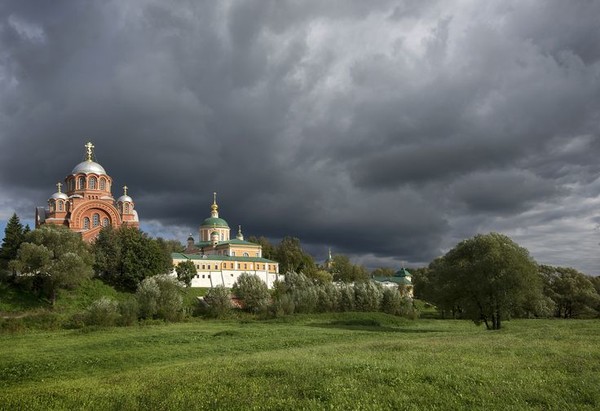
[[61, 196], [124, 198], [88, 167]]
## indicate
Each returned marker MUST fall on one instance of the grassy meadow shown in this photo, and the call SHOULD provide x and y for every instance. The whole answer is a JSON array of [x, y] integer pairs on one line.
[[333, 361]]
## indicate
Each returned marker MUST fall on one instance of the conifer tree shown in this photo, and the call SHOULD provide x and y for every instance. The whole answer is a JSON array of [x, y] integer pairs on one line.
[[14, 235]]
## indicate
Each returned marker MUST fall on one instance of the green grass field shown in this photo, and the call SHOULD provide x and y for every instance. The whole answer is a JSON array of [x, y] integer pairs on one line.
[[335, 361]]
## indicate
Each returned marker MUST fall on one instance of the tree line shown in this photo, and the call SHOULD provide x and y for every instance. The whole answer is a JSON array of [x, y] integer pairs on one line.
[[490, 278], [487, 278]]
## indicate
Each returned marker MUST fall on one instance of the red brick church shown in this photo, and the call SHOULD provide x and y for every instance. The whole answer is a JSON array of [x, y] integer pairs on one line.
[[87, 204]]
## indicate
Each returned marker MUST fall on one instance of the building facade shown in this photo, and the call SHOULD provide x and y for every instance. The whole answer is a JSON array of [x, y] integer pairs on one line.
[[87, 204], [402, 279], [220, 260]]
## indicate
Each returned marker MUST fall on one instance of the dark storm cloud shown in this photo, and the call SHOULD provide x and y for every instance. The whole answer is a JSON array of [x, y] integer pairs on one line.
[[387, 129]]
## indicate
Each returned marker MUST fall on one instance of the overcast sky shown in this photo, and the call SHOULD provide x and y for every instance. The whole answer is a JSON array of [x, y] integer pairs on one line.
[[388, 130]]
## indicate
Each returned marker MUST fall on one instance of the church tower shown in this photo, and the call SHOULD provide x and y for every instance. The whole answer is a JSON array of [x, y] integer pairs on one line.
[[214, 229], [88, 204]]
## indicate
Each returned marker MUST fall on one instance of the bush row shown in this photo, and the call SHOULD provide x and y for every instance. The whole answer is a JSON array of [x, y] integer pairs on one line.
[[299, 294]]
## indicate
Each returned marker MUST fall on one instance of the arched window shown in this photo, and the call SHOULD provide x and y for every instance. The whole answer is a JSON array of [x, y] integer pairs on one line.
[[81, 183], [102, 184], [96, 220], [246, 255], [86, 223], [61, 206], [126, 208], [93, 183], [105, 222]]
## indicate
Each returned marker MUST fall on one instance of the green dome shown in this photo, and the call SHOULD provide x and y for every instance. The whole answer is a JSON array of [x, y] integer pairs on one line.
[[215, 222], [403, 272]]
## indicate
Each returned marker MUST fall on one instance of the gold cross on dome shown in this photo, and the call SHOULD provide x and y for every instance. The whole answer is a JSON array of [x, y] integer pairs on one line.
[[89, 147], [58, 185], [125, 190]]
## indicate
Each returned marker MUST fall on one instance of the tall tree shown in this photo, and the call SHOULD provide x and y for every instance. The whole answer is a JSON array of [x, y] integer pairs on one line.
[[124, 257], [171, 246], [572, 292], [383, 272], [14, 235], [343, 270], [488, 276], [186, 272], [268, 250], [53, 258], [291, 257]]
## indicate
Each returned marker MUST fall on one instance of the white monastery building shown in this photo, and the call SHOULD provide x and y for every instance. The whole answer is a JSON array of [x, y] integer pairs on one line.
[[220, 260]]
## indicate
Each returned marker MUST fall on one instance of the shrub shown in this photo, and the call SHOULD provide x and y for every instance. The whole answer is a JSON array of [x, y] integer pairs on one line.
[[76, 321], [346, 297], [252, 292], [170, 301], [129, 310], [328, 298], [103, 312], [147, 295], [393, 302], [367, 296], [283, 304], [305, 299], [161, 296], [218, 302]]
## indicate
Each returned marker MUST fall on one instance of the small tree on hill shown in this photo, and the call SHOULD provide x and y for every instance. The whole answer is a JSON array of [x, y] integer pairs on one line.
[[126, 256], [186, 270], [51, 258]]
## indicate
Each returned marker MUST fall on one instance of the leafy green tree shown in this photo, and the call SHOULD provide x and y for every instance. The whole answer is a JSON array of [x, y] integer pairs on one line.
[[14, 235], [252, 292], [322, 276], [186, 270], [170, 246], [383, 272], [52, 258], [429, 285], [292, 258], [268, 250], [488, 276], [343, 270], [572, 292], [124, 257]]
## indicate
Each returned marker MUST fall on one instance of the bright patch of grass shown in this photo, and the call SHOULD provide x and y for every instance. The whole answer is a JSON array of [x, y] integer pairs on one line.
[[332, 361]]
